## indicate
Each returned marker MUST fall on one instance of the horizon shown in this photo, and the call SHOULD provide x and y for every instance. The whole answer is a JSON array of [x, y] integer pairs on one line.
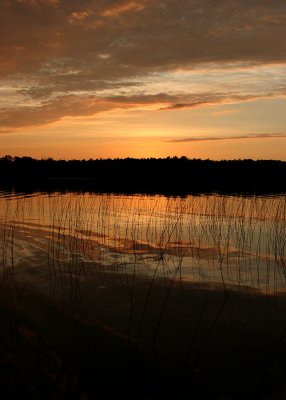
[[47, 158], [143, 79]]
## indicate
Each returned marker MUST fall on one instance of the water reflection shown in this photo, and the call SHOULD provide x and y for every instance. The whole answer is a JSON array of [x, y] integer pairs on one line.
[[231, 240]]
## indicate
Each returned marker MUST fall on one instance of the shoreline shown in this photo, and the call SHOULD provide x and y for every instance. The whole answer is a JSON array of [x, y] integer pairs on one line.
[[117, 186], [169, 176]]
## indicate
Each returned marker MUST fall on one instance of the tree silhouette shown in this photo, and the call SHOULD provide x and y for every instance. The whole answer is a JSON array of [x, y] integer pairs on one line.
[[174, 175]]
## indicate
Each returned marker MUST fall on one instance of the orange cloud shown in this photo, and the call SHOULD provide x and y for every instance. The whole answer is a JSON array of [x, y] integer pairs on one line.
[[160, 37], [80, 15], [124, 7], [51, 111], [50, 51]]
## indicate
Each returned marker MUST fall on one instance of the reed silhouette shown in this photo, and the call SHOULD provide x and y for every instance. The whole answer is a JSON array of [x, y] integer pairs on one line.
[[143, 296]]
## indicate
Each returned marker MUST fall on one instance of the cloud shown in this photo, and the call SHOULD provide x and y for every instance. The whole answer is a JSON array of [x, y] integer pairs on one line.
[[114, 51], [48, 107], [162, 35], [72, 105], [219, 138], [80, 15], [205, 99], [123, 7]]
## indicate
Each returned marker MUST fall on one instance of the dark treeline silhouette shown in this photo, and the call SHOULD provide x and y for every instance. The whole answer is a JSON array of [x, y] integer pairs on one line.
[[174, 175]]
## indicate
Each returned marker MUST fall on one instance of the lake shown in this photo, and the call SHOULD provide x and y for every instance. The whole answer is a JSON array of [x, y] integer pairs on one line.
[[151, 287], [234, 240]]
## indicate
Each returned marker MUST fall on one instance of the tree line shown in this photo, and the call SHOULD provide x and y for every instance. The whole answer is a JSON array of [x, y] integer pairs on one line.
[[149, 175]]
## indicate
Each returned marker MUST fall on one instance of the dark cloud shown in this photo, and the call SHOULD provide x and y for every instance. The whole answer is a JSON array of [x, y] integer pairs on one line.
[[55, 49], [141, 35], [71, 105], [66, 84], [52, 110], [202, 99], [216, 138]]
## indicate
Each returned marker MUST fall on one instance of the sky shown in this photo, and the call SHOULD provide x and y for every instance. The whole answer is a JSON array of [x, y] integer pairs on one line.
[[152, 78]]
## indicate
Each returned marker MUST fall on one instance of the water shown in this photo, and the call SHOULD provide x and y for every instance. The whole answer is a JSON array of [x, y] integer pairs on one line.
[[233, 240], [193, 288]]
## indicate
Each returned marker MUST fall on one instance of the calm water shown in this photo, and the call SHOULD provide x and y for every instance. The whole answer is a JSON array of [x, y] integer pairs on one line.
[[145, 296], [230, 240]]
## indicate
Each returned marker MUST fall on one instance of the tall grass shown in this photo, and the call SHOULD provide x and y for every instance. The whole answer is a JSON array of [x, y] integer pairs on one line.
[[59, 243], [233, 240], [56, 242]]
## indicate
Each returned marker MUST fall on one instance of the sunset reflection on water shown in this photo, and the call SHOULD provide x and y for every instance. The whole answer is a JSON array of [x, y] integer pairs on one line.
[[230, 240]]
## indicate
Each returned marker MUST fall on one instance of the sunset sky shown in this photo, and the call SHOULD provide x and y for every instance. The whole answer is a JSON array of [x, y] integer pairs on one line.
[[149, 78]]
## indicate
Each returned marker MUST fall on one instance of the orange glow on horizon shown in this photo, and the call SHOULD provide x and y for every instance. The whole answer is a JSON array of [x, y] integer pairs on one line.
[[142, 79]]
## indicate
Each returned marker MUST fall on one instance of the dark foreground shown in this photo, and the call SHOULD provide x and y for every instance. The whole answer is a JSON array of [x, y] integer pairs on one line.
[[128, 339]]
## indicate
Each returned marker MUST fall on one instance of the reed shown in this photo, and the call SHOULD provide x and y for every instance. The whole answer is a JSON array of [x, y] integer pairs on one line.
[[227, 239], [58, 243]]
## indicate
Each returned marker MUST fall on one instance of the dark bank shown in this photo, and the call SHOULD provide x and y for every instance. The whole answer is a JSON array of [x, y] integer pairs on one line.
[[167, 175]]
